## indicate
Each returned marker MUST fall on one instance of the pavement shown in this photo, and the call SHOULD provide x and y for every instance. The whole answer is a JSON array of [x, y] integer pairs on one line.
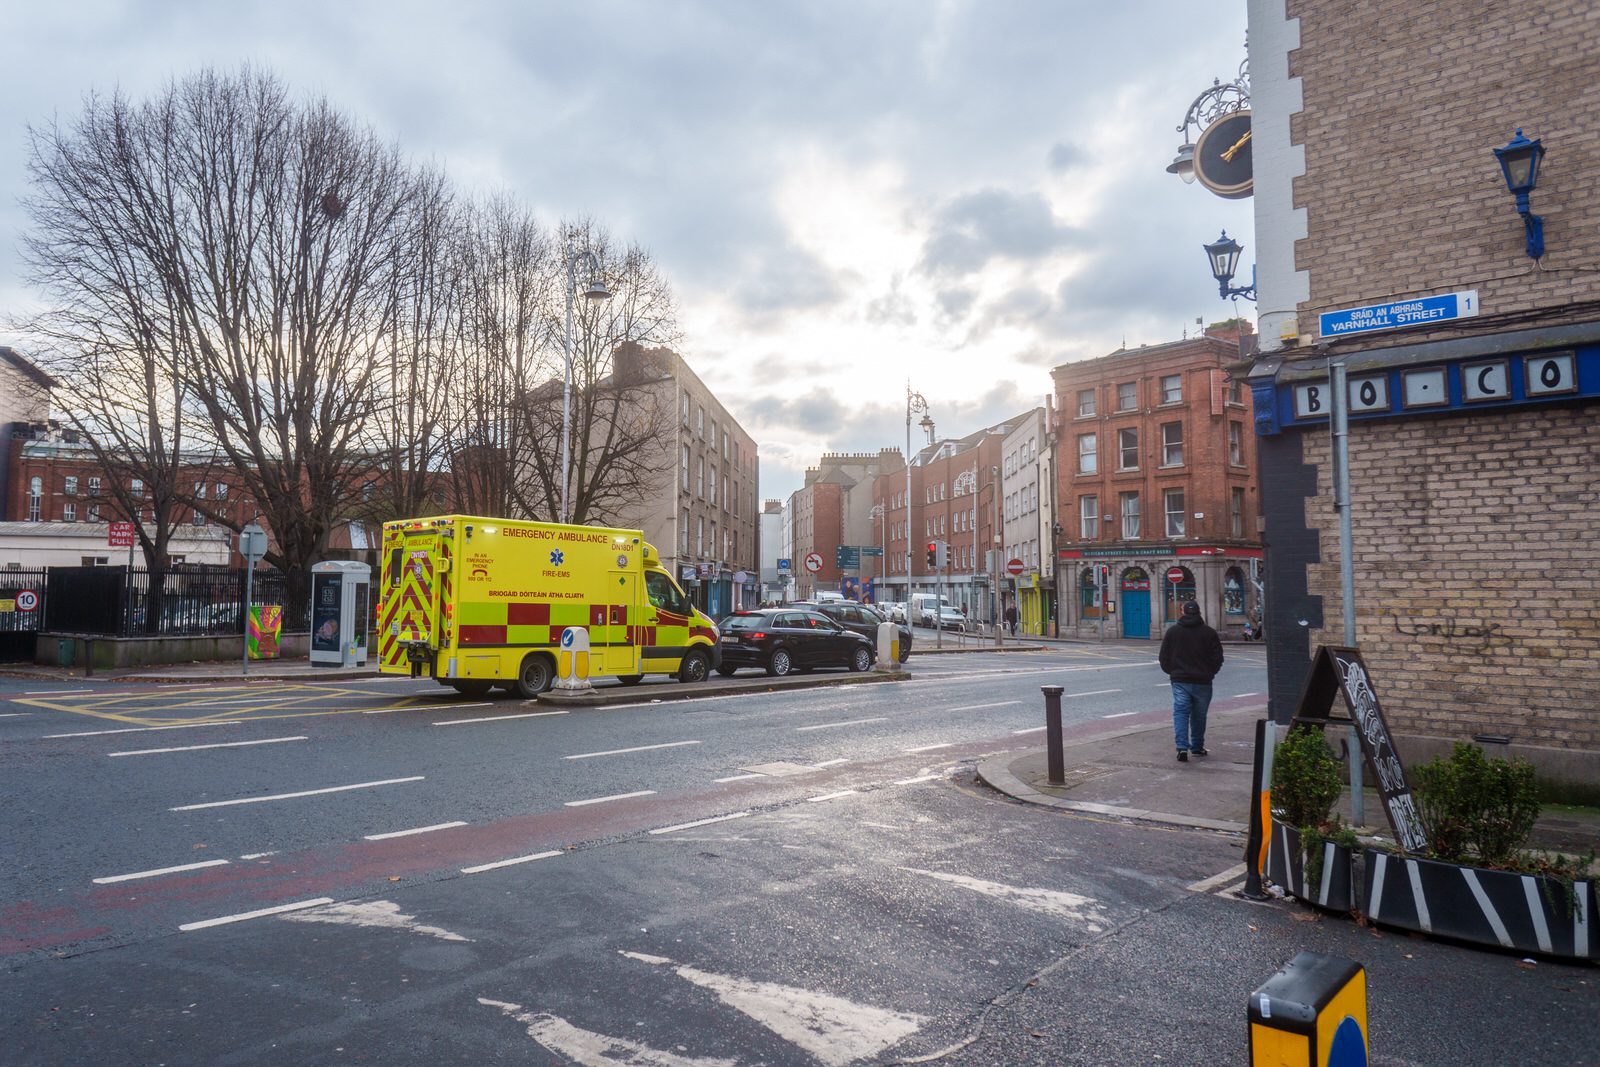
[[1127, 768]]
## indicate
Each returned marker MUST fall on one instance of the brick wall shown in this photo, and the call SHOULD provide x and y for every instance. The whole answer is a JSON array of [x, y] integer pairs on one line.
[[1476, 577], [1403, 104]]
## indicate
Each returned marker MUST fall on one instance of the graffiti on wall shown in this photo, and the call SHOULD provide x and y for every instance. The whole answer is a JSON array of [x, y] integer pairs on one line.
[[1476, 636]]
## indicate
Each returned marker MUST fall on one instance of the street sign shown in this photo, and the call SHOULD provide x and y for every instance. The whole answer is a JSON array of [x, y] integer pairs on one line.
[[847, 557], [1399, 314], [783, 564], [119, 534], [872, 550], [27, 600], [813, 561], [252, 542], [1014, 567], [1175, 575]]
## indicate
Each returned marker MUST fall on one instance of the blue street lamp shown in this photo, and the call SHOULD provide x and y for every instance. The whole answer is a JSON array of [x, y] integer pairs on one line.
[[1224, 256], [1519, 165]]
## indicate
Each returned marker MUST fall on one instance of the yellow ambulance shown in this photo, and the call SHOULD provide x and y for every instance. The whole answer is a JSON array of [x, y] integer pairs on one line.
[[475, 603]]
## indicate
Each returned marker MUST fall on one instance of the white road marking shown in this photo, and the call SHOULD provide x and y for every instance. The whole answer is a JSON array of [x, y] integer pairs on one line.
[[427, 707], [376, 913], [144, 729], [624, 751], [501, 718], [830, 763], [831, 725], [1217, 879], [1030, 730], [614, 796], [243, 915], [1247, 694], [1092, 693], [832, 1029], [658, 702], [977, 707], [55, 692], [930, 748], [157, 873], [197, 748], [1120, 715], [831, 796], [914, 781], [699, 822], [291, 796], [1054, 902], [16, 715], [737, 778], [591, 1049], [418, 830], [510, 862], [258, 855]]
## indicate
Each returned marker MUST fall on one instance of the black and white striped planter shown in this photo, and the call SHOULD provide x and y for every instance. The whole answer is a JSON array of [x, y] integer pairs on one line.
[[1525, 912], [1286, 866]]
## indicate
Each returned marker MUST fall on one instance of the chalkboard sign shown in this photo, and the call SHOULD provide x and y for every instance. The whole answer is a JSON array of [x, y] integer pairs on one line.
[[1335, 669]]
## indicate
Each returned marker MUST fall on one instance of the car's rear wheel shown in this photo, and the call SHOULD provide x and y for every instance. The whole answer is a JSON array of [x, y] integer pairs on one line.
[[474, 689], [696, 667], [630, 679], [860, 660], [779, 663], [535, 675], [905, 651], [726, 671]]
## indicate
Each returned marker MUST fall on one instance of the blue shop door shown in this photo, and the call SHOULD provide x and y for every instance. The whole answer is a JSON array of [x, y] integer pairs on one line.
[[1136, 613]]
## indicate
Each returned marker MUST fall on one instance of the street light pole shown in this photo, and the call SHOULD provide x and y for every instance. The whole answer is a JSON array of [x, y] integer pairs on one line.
[[594, 290], [914, 402]]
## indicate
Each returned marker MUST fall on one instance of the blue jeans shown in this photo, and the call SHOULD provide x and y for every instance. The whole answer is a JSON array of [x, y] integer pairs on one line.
[[1190, 701]]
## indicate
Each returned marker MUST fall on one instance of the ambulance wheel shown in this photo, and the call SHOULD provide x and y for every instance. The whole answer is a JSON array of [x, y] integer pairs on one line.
[[860, 660], [779, 663], [630, 679], [535, 676], [696, 667], [474, 690]]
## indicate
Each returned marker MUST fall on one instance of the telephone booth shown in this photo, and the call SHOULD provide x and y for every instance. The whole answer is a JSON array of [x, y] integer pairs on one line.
[[340, 607]]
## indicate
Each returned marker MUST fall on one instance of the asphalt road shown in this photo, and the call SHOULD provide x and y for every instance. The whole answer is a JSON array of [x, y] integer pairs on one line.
[[786, 877]]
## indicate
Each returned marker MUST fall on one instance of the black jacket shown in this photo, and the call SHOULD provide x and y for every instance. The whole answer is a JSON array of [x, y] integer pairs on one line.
[[1191, 651]]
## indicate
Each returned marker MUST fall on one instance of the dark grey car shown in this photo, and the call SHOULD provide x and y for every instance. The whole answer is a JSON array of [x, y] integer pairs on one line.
[[862, 618]]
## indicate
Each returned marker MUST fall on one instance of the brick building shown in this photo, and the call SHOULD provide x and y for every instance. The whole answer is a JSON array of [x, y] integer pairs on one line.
[[1474, 444], [1155, 475], [834, 509]]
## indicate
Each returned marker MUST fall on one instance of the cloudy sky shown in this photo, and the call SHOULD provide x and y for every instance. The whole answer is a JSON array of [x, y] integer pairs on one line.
[[845, 195]]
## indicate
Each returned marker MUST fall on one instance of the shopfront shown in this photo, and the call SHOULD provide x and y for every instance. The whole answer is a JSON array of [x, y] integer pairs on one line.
[[1138, 591]]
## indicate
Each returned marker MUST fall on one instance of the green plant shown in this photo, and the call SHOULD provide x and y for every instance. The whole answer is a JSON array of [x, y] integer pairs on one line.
[[1312, 838], [1305, 778], [1476, 808]]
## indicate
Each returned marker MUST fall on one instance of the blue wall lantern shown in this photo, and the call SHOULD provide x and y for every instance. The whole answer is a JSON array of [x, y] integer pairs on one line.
[[1224, 256], [1519, 163]]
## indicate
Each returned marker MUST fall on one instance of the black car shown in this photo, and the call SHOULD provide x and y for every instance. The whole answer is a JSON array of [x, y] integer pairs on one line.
[[861, 618], [780, 640]]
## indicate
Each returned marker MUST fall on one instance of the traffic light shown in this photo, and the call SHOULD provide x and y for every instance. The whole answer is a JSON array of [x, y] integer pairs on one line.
[[933, 554], [943, 555]]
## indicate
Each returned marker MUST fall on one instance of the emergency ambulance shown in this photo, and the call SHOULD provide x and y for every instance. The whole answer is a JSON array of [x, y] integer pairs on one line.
[[476, 603]]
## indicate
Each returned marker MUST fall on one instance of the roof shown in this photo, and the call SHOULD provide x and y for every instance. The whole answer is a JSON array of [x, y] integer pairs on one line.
[[28, 368]]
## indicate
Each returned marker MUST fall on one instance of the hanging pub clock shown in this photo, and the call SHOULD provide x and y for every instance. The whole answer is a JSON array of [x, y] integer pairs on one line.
[[1222, 156]]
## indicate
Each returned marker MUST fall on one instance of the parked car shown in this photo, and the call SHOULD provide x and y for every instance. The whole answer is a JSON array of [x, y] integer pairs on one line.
[[952, 618], [864, 619], [779, 640], [894, 609]]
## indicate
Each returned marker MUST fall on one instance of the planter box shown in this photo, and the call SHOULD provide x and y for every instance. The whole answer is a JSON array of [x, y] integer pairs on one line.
[[1525, 912], [1286, 866]]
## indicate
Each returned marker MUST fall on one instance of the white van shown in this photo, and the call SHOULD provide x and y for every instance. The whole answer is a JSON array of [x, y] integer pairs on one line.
[[924, 607]]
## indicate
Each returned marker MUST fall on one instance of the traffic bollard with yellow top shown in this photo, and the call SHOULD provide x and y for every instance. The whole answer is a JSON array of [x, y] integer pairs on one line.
[[888, 648], [572, 662], [1313, 1013]]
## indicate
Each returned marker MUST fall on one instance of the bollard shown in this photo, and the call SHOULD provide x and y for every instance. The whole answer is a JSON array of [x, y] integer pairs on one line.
[[573, 661], [1255, 846], [1313, 1012], [888, 661], [1052, 733]]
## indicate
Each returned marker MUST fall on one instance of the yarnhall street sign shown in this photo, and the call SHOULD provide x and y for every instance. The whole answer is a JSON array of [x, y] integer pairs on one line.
[[1399, 314]]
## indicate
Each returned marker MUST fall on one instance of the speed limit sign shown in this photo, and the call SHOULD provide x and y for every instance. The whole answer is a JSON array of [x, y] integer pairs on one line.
[[27, 600]]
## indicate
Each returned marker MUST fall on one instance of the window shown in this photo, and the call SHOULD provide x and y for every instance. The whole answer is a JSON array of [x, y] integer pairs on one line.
[[71, 486], [136, 488], [199, 490], [685, 399], [1172, 389], [713, 545], [69, 513], [199, 519], [700, 420], [1172, 444], [1235, 391], [91, 513], [1089, 517], [1088, 454], [1173, 499], [700, 478], [93, 561], [1129, 503], [713, 483], [684, 464], [366, 491], [1127, 396], [700, 535], [1233, 591], [1236, 443], [35, 498], [1236, 512], [222, 490], [1085, 401], [1128, 450], [683, 530], [94, 486]]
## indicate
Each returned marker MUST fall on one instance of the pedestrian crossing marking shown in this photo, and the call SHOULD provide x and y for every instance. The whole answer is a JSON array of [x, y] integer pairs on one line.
[[591, 1049], [1053, 902]]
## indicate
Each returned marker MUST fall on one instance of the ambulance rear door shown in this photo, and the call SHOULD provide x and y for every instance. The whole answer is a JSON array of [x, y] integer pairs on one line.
[[414, 568]]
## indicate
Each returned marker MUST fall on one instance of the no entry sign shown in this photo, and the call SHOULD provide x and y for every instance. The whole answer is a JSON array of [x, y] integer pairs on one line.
[[1014, 567], [1175, 575]]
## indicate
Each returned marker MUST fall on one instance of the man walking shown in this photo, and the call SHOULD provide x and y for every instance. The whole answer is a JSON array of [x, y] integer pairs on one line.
[[1011, 619], [1191, 655]]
